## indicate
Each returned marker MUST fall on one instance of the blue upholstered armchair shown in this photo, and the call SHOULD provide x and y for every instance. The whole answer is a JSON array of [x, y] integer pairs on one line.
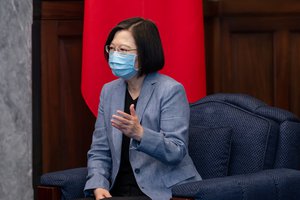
[[243, 149]]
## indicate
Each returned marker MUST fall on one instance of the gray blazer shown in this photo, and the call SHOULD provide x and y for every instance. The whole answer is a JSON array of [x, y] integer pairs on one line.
[[161, 159]]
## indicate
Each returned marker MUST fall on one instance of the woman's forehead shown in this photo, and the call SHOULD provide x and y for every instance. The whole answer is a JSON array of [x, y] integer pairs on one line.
[[123, 37]]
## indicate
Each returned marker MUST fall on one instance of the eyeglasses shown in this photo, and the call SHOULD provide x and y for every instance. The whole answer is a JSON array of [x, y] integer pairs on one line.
[[121, 49]]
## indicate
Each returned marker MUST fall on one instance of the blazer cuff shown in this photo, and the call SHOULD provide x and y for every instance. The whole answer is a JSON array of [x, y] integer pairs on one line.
[[149, 141], [96, 181]]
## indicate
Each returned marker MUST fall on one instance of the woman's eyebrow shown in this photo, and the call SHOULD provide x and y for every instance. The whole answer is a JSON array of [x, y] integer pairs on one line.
[[121, 45]]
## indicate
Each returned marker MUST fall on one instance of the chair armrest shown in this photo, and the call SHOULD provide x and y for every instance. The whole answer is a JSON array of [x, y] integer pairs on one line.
[[70, 182], [264, 185], [48, 193]]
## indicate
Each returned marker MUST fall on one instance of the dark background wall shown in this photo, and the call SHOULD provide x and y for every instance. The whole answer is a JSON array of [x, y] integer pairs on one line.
[[252, 47]]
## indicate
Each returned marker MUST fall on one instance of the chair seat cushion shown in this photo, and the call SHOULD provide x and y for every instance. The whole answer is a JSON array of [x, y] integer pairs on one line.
[[279, 184], [209, 148]]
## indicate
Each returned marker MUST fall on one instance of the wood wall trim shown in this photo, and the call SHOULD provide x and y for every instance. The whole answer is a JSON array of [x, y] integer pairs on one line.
[[211, 8], [238, 7], [58, 10]]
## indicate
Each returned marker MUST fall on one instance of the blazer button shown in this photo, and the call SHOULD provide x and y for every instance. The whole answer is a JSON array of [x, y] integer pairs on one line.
[[137, 171]]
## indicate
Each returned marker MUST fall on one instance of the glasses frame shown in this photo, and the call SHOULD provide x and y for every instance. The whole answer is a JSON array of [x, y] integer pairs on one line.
[[110, 49]]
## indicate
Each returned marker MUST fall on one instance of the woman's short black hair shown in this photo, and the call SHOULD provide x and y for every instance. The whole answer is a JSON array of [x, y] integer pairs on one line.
[[148, 42]]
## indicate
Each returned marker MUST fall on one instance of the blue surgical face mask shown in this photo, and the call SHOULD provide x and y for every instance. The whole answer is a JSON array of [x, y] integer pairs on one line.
[[122, 65]]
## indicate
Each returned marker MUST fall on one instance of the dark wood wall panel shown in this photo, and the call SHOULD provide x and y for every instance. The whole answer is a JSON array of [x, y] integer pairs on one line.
[[251, 48], [281, 69], [295, 72], [67, 123], [250, 69], [75, 116]]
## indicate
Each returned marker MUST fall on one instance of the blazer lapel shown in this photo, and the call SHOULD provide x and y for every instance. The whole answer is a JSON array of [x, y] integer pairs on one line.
[[145, 95], [117, 103]]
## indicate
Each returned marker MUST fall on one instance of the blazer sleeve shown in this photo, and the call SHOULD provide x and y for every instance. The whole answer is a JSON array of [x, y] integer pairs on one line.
[[99, 155], [170, 144]]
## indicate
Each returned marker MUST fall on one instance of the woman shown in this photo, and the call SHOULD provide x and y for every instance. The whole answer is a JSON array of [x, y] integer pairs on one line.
[[140, 140]]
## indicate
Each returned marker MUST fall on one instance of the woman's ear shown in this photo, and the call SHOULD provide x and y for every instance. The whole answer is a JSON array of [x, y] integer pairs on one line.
[[136, 63]]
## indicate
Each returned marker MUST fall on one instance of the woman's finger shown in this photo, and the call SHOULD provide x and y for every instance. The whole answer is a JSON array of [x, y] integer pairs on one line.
[[132, 110], [123, 114], [121, 119]]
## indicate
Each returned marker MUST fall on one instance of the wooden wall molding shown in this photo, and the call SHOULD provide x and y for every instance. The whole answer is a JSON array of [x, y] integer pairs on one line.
[[62, 10], [238, 7]]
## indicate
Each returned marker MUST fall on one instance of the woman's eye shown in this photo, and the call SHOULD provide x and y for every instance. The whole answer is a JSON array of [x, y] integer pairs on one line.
[[123, 50]]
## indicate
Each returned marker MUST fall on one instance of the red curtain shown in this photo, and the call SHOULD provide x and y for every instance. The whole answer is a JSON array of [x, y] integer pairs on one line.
[[180, 24]]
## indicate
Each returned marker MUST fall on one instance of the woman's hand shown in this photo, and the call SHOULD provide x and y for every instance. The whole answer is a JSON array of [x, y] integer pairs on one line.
[[101, 193], [128, 124]]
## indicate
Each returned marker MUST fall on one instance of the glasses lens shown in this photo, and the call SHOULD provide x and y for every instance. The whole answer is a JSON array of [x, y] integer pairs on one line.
[[121, 50]]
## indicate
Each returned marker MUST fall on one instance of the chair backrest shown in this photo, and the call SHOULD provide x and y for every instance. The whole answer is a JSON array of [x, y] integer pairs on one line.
[[258, 136]]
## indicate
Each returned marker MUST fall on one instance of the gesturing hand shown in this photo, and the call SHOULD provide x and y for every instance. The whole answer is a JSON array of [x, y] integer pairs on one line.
[[128, 124]]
